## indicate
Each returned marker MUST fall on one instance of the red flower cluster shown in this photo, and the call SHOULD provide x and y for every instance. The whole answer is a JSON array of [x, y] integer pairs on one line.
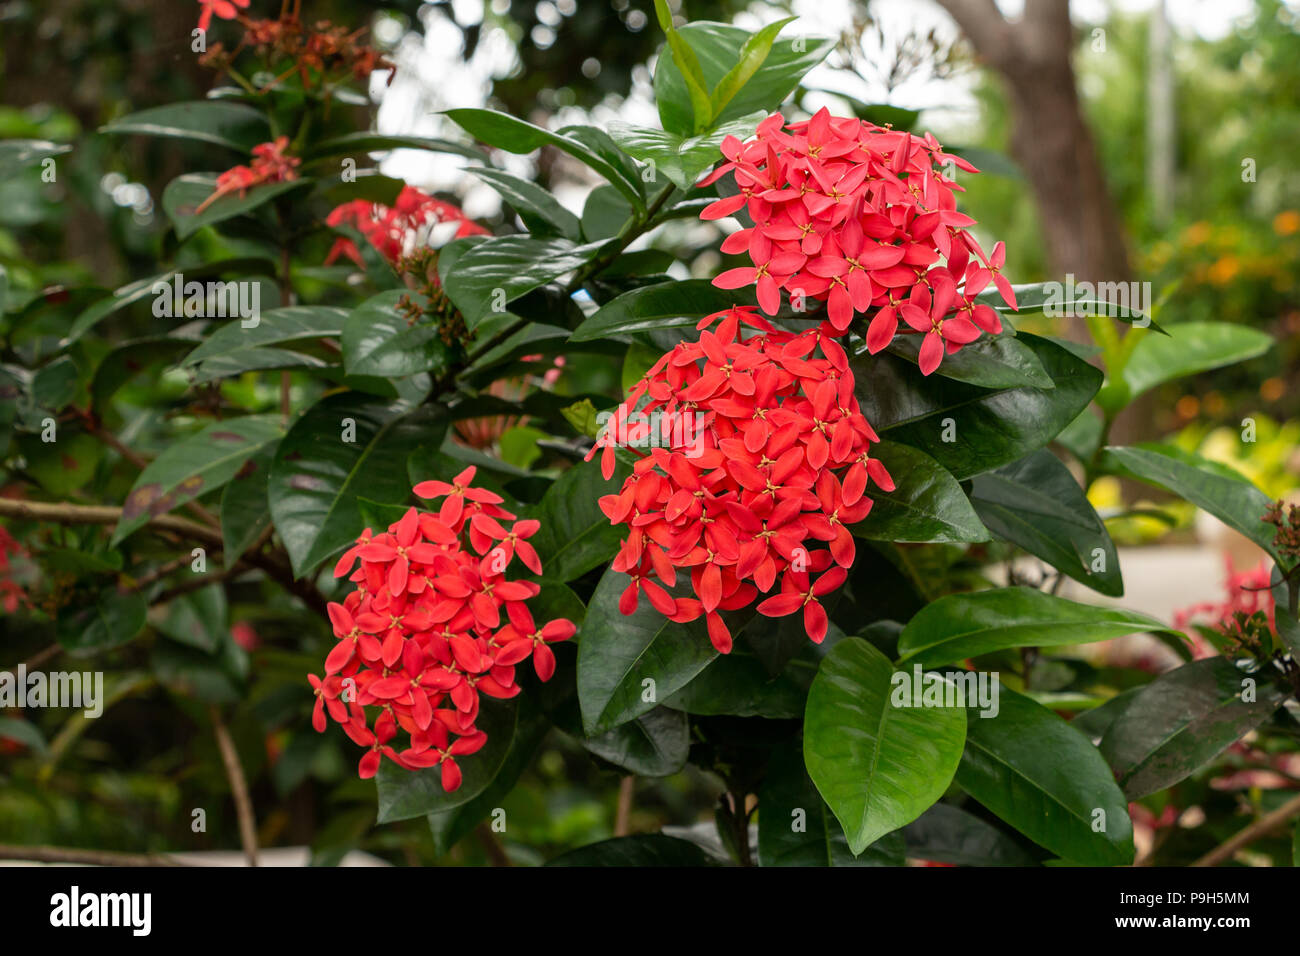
[[270, 165], [393, 231], [759, 452], [432, 625], [859, 217]]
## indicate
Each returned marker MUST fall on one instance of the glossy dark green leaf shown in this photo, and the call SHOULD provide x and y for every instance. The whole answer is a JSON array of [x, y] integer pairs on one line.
[[926, 505], [1211, 486], [655, 744], [740, 685], [796, 828], [318, 475], [112, 619], [1036, 503], [651, 849], [628, 664], [575, 535], [219, 122], [199, 619], [991, 361], [378, 340], [1189, 348], [540, 211], [1043, 777], [364, 141], [968, 429], [195, 466], [516, 136], [1184, 719], [245, 510], [404, 794], [233, 348], [959, 626], [948, 834], [753, 54], [877, 765], [450, 826], [185, 194], [130, 359], [681, 158], [718, 46], [666, 305], [490, 275]]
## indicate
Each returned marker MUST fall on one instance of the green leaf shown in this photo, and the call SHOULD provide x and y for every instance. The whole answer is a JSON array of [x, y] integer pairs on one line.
[[604, 214], [130, 359], [450, 826], [404, 794], [156, 285], [364, 141], [651, 849], [219, 122], [1036, 504], [959, 626], [18, 154], [495, 272], [1189, 348], [540, 211], [718, 47], [232, 348], [575, 535], [991, 361], [752, 56], [1182, 720], [656, 744], [1211, 486], [927, 503], [665, 305], [515, 136], [1044, 778], [619, 652], [198, 619], [796, 828], [688, 65], [1062, 298], [682, 159], [185, 194], [739, 684], [377, 340], [878, 766], [318, 474], [967, 429], [948, 834], [195, 466], [112, 620], [23, 732], [245, 511]]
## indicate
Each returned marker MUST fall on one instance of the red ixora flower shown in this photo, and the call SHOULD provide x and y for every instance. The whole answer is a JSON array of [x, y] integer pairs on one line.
[[759, 454], [270, 165], [862, 218], [222, 8], [393, 231], [433, 624]]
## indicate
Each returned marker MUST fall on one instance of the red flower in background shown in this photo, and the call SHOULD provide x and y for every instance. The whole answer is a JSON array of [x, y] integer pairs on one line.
[[226, 9], [394, 230], [270, 165], [859, 217], [433, 624], [761, 454]]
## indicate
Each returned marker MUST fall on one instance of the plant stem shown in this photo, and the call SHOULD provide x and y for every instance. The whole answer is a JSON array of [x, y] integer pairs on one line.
[[1266, 823], [238, 786]]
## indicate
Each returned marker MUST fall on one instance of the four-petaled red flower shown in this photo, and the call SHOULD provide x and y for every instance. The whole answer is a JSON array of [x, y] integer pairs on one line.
[[270, 165]]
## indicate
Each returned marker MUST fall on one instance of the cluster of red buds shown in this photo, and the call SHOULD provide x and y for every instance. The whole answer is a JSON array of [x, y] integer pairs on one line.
[[862, 218], [433, 625], [758, 453], [326, 51], [395, 231], [270, 165]]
